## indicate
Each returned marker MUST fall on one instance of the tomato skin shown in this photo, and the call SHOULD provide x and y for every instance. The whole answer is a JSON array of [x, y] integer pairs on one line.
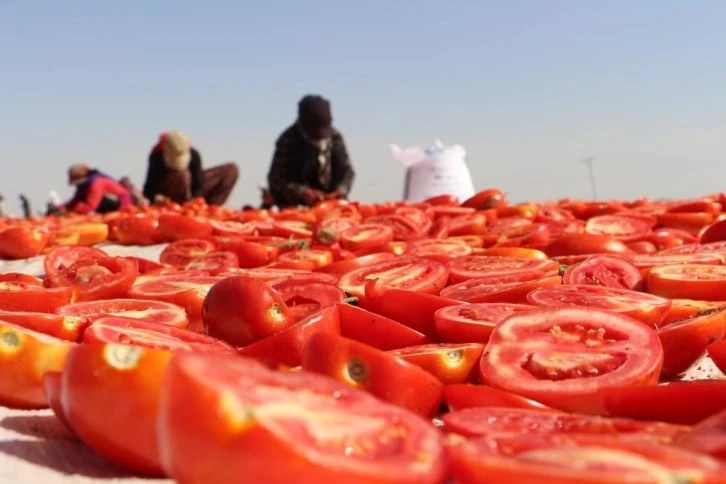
[[22, 242], [19, 277], [414, 274], [685, 341], [270, 448], [473, 323], [450, 363], [688, 281], [364, 367], [95, 279], [465, 395], [485, 199], [567, 330], [305, 297], [287, 347], [343, 266], [576, 244], [100, 377], [150, 311], [177, 227], [22, 297], [62, 257], [375, 330], [53, 389], [180, 253], [25, 356], [642, 247], [68, 328], [717, 353], [242, 310], [605, 271], [138, 230], [706, 437]]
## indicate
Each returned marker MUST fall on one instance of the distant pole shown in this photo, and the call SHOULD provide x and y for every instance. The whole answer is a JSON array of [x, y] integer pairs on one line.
[[591, 173]]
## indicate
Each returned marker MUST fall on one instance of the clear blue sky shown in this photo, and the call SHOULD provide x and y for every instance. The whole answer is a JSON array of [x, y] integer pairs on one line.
[[527, 87]]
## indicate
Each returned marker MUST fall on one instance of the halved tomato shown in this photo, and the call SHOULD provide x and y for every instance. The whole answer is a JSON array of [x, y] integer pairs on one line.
[[688, 308], [413, 274], [501, 289], [493, 267], [21, 296], [575, 244], [138, 230], [450, 363], [473, 323], [347, 265], [305, 297], [214, 262], [376, 330], [366, 237], [688, 281], [306, 259], [181, 253], [177, 227], [553, 355], [451, 248], [717, 352], [685, 341], [62, 257], [620, 227], [95, 279], [53, 395], [22, 242], [603, 270], [68, 328], [707, 437], [465, 395], [152, 311]]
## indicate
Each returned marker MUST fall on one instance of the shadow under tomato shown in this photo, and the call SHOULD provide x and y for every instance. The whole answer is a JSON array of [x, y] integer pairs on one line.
[[39, 426]]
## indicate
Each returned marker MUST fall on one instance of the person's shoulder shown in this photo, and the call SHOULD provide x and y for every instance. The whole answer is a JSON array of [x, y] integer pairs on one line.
[[291, 135], [337, 136]]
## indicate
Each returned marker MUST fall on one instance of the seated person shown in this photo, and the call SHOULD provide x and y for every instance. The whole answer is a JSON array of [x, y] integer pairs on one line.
[[175, 173], [95, 192], [311, 161], [136, 194]]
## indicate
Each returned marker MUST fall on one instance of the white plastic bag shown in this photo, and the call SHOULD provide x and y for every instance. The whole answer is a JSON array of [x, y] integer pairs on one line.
[[437, 170]]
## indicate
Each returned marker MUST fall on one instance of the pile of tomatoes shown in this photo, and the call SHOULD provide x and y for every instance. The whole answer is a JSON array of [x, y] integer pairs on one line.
[[390, 343]]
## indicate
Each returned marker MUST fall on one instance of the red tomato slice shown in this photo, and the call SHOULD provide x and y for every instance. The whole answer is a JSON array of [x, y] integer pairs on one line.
[[366, 237], [717, 352], [181, 253], [64, 256], [577, 244], [96, 279], [230, 228], [23, 278], [473, 323], [376, 330], [276, 427], [603, 270], [478, 267], [177, 227], [552, 355], [214, 262], [688, 281], [53, 394], [512, 422], [413, 274], [404, 228], [688, 308], [64, 327], [532, 235], [20, 296], [461, 396], [645, 307], [151, 311], [432, 247], [120, 330], [137, 230], [707, 437], [508, 289], [269, 274], [450, 363], [306, 259], [622, 228], [364, 367], [304, 298], [145, 265], [684, 342], [652, 260], [343, 266]]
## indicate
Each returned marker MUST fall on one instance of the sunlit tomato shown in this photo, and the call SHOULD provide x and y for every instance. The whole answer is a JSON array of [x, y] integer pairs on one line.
[[366, 237], [688, 281], [717, 352], [473, 323], [52, 389], [327, 231], [554, 354], [404, 227], [242, 310], [646, 262], [250, 254], [691, 222], [414, 274], [575, 244], [620, 227], [91, 233], [98, 378], [308, 259], [478, 266], [516, 252], [19, 277], [25, 356], [139, 230], [647, 308], [687, 308], [500, 289], [177, 227], [707, 437], [685, 341], [22, 242], [270, 274], [249, 435], [64, 327], [21, 296], [305, 297], [450, 363], [151, 311], [214, 262], [607, 271], [95, 279], [376, 330], [642, 247], [470, 224], [61, 258], [343, 266], [449, 248], [512, 422], [461, 396], [485, 199], [365, 367], [230, 228], [181, 253]]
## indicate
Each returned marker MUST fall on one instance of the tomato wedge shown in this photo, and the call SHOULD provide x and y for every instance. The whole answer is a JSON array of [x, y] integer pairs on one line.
[[96, 279], [603, 270], [62, 257], [151, 311], [492, 268], [68, 328], [181, 253], [450, 363], [376, 330], [685, 341], [366, 237], [555, 354], [413, 274], [473, 323], [21, 296], [463, 395]]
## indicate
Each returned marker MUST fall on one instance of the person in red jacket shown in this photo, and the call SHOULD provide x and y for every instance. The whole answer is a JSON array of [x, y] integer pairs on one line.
[[95, 192]]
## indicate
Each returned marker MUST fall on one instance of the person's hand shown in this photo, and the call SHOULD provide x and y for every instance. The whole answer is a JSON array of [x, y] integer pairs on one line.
[[161, 200], [335, 194], [312, 196]]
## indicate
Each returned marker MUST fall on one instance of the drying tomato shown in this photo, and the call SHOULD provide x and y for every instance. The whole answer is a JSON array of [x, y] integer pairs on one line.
[[450, 363], [413, 274], [53, 395], [64, 327], [501, 289], [553, 355], [305, 297], [249, 436], [685, 341], [178, 227], [102, 377], [446, 248], [603, 270], [465, 395], [96, 279], [473, 323], [146, 266], [380, 373], [25, 356], [516, 252], [347, 265], [306, 259], [366, 237], [62, 257], [485, 199], [687, 308], [576, 244], [623, 228], [706, 437], [376, 330], [491, 267], [230, 228], [138, 230], [214, 263], [22, 242], [152, 311], [19, 277], [717, 352], [242, 310], [688, 281], [21, 296], [181, 253], [250, 254]]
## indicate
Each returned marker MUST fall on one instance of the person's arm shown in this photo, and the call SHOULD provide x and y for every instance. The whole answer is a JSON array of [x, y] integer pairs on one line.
[[96, 191], [154, 174], [341, 159], [281, 179], [195, 169]]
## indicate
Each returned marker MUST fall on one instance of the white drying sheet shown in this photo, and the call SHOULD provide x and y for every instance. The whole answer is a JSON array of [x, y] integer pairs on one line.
[[36, 448]]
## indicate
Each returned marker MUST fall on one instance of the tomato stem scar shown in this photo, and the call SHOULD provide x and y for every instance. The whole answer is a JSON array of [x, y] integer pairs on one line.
[[357, 370], [10, 339], [123, 357]]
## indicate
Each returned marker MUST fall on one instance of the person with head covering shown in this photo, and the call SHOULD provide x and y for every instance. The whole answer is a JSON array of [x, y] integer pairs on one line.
[[175, 173], [96, 192], [311, 161], [136, 194]]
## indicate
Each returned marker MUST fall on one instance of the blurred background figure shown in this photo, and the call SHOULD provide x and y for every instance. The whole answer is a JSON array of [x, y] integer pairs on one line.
[[26, 206], [136, 195], [310, 162], [3, 213], [95, 192], [175, 173]]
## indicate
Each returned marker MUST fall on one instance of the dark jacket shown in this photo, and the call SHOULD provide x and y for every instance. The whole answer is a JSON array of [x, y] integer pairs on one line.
[[296, 166], [176, 185]]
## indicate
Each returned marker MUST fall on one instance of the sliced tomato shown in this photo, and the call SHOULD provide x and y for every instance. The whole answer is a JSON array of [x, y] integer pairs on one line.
[[68, 328], [485, 199], [365, 367], [214, 262], [152, 311], [646, 262], [478, 267], [145, 266], [603, 270], [275, 427], [306, 259], [473, 323], [366, 237], [22, 242], [717, 352], [465, 395], [181, 253], [53, 395], [450, 363], [343, 266], [688, 308], [138, 230], [25, 356], [404, 228], [706, 437], [688, 281], [21, 296], [576, 244], [376, 330], [647, 308], [450, 248], [96, 279], [177, 227], [684, 342], [517, 252], [413, 274], [138, 332], [64, 256], [305, 297], [502, 289], [231, 228], [553, 355], [23, 278], [620, 227]]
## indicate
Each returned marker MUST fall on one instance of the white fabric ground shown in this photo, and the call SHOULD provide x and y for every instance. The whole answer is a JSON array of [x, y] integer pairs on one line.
[[36, 448]]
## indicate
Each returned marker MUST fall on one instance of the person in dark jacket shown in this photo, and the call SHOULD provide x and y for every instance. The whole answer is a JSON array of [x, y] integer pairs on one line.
[[175, 173], [96, 192], [310, 162]]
